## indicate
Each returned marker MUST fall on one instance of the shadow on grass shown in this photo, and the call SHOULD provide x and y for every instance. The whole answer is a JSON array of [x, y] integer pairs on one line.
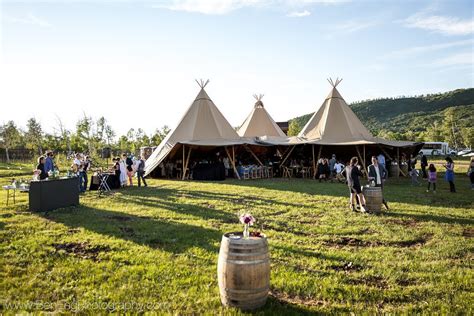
[[431, 218], [155, 233], [399, 191]]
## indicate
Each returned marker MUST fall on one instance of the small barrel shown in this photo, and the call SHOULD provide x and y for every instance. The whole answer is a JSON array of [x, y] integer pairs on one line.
[[373, 198], [394, 171], [243, 271]]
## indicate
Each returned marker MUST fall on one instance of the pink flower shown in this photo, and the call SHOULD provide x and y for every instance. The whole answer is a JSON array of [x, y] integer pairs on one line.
[[247, 219]]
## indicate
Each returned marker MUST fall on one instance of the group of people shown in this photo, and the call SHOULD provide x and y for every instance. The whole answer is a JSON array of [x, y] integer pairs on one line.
[[126, 167], [377, 173], [45, 165]]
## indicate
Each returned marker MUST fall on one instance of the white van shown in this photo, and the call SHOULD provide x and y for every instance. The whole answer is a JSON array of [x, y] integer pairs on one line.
[[435, 149]]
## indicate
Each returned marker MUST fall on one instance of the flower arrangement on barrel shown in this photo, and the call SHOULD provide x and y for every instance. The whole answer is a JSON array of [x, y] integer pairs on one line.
[[248, 220]]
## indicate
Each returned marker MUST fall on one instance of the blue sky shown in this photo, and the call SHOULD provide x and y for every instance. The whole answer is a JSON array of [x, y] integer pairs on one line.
[[135, 62]]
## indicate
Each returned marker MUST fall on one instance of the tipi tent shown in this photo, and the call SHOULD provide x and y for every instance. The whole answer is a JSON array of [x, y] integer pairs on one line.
[[335, 123], [202, 125], [259, 122]]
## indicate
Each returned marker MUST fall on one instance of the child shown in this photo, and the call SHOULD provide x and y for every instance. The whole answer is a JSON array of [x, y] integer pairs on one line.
[[414, 176], [431, 177]]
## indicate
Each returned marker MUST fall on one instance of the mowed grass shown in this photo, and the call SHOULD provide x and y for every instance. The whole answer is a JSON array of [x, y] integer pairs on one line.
[[156, 249]]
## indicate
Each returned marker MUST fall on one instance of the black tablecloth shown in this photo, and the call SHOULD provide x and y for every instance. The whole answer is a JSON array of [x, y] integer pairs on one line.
[[47, 195], [206, 171], [112, 181]]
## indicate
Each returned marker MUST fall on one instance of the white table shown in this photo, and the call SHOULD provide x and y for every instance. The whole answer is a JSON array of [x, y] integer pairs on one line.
[[14, 189]]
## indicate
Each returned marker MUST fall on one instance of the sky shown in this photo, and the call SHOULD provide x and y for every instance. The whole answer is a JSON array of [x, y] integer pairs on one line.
[[135, 62]]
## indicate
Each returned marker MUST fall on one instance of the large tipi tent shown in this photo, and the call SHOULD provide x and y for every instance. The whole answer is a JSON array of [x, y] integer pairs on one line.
[[202, 125], [335, 123], [259, 122]]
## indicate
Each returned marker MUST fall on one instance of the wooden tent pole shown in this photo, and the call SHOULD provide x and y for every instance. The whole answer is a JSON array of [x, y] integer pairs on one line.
[[182, 163], [314, 163], [385, 152], [232, 161], [319, 156], [398, 161], [185, 166], [288, 155], [365, 162], [253, 154], [362, 160]]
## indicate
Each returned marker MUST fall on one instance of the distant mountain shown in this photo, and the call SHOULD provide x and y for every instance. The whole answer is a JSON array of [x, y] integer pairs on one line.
[[412, 114]]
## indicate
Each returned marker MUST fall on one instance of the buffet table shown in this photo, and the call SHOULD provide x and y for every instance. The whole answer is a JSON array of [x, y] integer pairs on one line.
[[205, 171], [47, 195]]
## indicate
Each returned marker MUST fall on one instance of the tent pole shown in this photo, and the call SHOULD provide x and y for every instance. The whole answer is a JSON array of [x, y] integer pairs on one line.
[[360, 157], [314, 163], [253, 154], [319, 156], [182, 163], [385, 152], [185, 166], [365, 157], [232, 161], [288, 155]]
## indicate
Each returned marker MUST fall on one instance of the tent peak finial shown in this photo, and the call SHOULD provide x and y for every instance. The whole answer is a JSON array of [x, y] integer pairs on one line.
[[334, 83], [202, 84], [259, 102]]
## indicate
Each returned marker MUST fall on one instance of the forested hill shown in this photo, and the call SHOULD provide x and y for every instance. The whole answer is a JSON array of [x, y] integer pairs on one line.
[[420, 117]]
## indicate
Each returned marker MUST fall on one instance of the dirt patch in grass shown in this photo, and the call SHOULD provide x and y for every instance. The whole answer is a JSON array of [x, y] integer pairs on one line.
[[419, 241], [406, 282], [468, 232], [371, 280], [120, 218], [285, 298], [351, 242], [81, 249], [347, 266], [72, 231], [403, 222], [128, 231]]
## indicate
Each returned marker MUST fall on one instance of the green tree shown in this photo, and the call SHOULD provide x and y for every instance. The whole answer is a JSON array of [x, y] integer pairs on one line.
[[294, 128], [159, 135], [34, 136], [10, 137]]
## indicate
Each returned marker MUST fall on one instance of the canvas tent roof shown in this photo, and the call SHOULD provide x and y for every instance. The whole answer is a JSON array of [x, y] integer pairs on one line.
[[202, 124], [335, 123], [259, 122]]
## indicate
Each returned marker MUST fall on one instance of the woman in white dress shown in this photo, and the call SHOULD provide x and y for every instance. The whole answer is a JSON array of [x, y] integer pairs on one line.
[[123, 171]]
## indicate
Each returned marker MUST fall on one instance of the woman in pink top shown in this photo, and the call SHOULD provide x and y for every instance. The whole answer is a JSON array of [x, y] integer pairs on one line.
[[431, 178]]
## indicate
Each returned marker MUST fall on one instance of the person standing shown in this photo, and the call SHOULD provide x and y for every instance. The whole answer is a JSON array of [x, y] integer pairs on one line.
[[381, 160], [377, 174], [353, 173], [470, 172], [432, 176], [43, 174], [79, 166], [123, 171], [48, 162], [141, 171], [332, 163], [129, 163], [116, 169], [449, 176], [424, 164]]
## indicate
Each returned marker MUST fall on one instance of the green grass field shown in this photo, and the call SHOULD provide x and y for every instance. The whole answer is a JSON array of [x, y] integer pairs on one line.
[[156, 249]]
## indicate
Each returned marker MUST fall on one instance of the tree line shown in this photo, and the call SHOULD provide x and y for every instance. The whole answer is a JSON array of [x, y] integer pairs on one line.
[[90, 135]]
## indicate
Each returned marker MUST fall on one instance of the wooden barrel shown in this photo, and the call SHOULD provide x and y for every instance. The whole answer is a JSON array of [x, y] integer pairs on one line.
[[373, 198], [394, 171], [243, 271]]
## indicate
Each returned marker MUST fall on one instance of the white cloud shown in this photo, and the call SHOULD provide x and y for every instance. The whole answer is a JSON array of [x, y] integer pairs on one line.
[[298, 14], [417, 50], [446, 25], [214, 7], [219, 7], [28, 19], [353, 26], [458, 59]]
